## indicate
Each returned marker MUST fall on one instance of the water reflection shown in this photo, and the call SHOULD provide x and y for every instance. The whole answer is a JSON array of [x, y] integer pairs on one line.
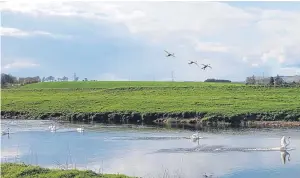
[[283, 155], [134, 151], [217, 149]]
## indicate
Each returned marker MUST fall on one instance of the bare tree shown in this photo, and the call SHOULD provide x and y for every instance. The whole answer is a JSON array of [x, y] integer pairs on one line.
[[8, 79], [278, 80], [65, 78], [250, 80], [50, 78], [271, 81]]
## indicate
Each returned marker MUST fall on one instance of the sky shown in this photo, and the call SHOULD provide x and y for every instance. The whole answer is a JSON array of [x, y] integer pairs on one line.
[[106, 40]]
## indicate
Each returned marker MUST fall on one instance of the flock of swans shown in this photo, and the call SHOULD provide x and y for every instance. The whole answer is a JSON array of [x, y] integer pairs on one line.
[[284, 142], [53, 128]]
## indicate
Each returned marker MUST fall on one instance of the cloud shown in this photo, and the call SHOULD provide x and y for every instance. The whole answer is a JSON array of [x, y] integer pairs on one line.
[[6, 31], [7, 65], [230, 38], [211, 47]]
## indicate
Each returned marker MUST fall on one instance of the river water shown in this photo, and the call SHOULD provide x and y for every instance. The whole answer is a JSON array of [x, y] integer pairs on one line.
[[153, 152]]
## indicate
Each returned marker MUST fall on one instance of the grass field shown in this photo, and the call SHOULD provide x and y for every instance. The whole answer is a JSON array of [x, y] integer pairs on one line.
[[13, 170], [221, 98], [119, 84]]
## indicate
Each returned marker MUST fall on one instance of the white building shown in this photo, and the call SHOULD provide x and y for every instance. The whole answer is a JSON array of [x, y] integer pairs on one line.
[[266, 80], [291, 79]]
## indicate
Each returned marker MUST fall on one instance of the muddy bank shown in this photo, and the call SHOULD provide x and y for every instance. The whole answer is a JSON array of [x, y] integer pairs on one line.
[[189, 118]]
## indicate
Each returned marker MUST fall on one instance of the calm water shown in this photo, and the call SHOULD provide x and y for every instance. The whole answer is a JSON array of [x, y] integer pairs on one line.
[[153, 152]]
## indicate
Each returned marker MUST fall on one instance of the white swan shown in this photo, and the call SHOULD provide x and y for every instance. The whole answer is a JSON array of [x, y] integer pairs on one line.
[[284, 143], [52, 128], [195, 136], [80, 129], [5, 132]]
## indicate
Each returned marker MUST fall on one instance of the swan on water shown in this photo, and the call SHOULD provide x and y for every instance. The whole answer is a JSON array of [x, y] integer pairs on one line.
[[284, 143], [195, 136], [52, 128], [5, 132], [80, 129]]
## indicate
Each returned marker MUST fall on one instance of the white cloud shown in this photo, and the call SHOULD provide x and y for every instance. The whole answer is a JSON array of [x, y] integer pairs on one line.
[[7, 31], [7, 65], [257, 36], [245, 59], [211, 47]]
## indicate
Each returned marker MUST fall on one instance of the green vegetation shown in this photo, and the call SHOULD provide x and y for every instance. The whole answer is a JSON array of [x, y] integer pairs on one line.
[[118, 84], [147, 97], [13, 170]]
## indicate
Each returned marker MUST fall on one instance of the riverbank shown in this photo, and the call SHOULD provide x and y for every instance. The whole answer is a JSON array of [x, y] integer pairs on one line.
[[10, 170], [189, 118], [152, 102]]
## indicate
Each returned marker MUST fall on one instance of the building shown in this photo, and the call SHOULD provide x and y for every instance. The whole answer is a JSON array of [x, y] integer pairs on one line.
[[259, 80], [291, 79]]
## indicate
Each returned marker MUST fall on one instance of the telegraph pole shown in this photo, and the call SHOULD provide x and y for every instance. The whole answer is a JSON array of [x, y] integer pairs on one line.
[[172, 75], [74, 76]]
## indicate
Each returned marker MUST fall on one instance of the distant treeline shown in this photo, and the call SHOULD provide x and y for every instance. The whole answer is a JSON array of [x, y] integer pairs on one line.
[[217, 80], [7, 80], [271, 81]]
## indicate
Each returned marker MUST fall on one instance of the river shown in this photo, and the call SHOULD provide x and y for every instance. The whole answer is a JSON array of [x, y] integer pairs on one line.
[[153, 151]]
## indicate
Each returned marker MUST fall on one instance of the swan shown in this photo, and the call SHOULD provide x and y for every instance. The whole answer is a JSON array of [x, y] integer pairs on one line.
[[80, 129], [52, 128], [5, 132], [195, 136], [284, 143]]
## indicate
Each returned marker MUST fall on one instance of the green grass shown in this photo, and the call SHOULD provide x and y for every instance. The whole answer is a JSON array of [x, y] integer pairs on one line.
[[13, 170], [118, 84], [220, 98]]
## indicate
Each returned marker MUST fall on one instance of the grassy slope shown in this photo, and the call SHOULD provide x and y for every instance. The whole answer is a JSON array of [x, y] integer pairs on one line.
[[221, 98], [12, 170]]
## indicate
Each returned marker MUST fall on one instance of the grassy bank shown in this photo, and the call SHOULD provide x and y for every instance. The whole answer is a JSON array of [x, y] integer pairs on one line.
[[13, 170], [151, 97]]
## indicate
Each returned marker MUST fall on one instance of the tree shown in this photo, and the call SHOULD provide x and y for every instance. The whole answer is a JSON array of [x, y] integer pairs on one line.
[[44, 79], [50, 78], [278, 80], [271, 81], [8, 79], [250, 80], [65, 78]]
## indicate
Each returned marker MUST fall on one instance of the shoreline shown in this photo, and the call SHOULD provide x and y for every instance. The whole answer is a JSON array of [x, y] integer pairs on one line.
[[275, 119]]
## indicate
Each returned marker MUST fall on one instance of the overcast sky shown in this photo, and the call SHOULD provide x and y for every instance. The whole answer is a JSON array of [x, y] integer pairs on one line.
[[126, 40]]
